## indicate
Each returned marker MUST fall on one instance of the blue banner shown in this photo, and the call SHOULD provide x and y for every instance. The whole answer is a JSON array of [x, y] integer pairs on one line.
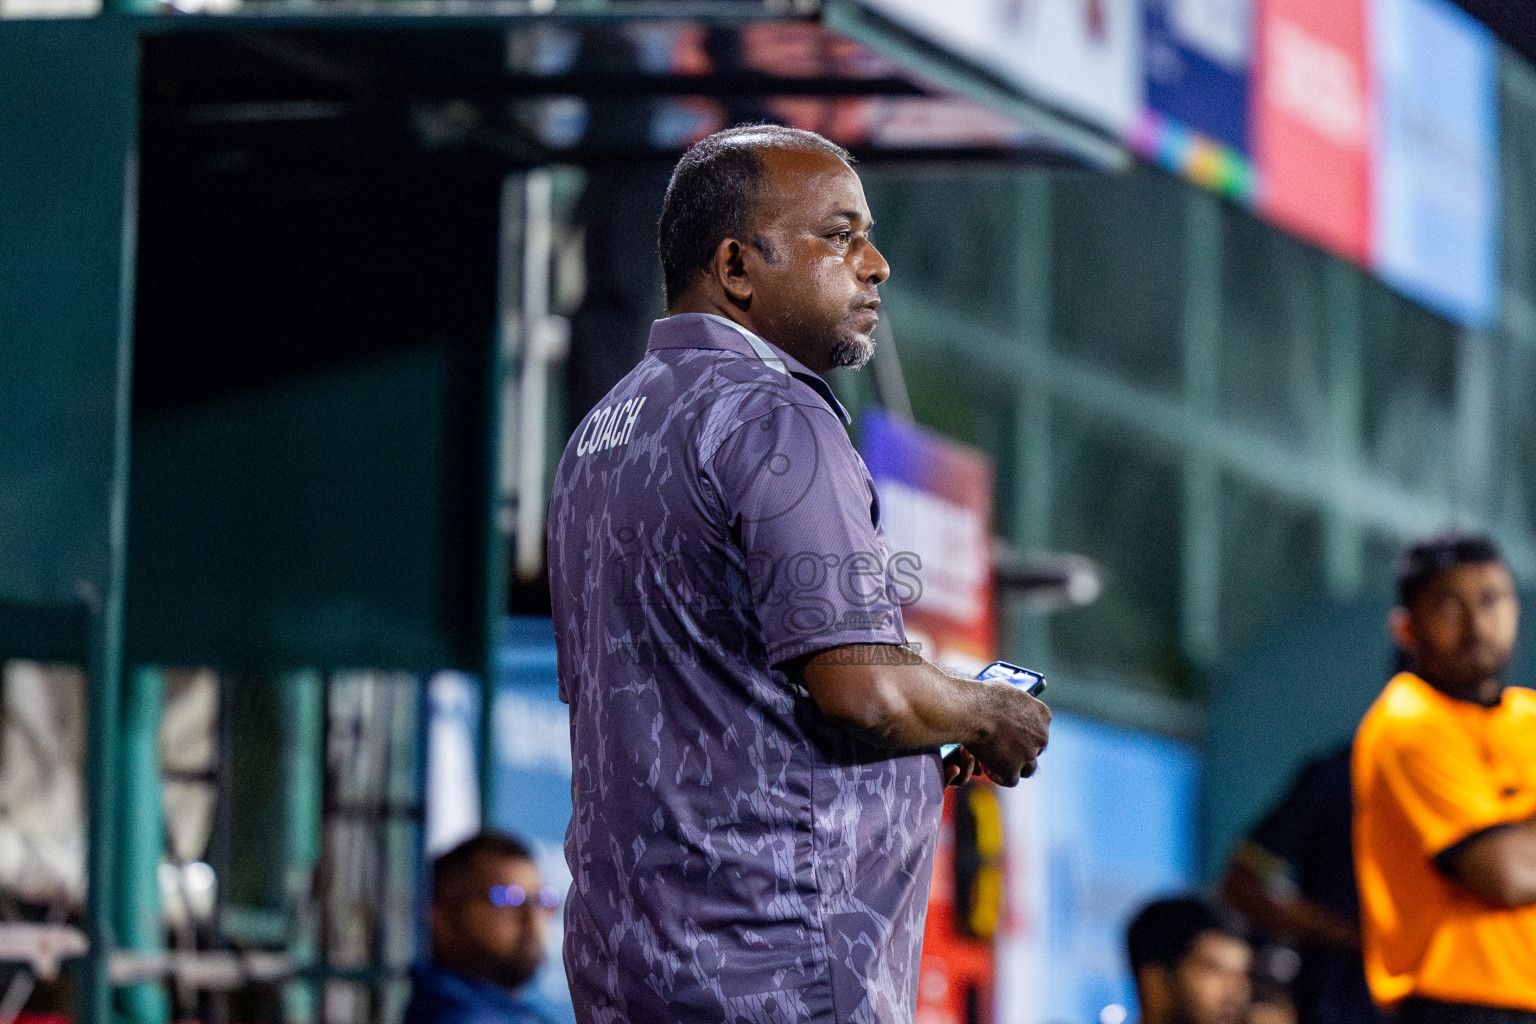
[[531, 769], [1106, 825], [1436, 209], [1197, 55]]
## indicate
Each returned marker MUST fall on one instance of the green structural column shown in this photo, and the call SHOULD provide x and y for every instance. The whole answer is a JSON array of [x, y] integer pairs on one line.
[[1032, 498], [302, 698], [67, 245], [1343, 440], [1201, 605], [141, 839]]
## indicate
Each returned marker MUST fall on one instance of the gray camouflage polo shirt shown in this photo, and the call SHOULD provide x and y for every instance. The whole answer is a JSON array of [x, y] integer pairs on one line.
[[735, 856]]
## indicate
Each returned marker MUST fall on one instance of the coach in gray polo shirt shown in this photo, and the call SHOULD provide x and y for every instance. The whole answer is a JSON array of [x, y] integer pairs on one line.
[[757, 781]]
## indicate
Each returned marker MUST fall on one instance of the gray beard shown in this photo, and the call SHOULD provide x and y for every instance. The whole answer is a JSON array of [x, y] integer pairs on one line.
[[852, 352]]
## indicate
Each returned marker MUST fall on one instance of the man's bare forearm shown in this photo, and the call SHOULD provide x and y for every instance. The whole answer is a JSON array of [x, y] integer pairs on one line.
[[897, 698], [1291, 916], [1501, 865]]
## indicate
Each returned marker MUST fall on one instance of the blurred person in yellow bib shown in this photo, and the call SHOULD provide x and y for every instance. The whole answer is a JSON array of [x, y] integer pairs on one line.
[[1444, 776]]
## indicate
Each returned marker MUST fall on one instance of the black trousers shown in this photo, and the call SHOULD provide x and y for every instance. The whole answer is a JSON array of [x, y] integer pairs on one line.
[[1417, 1010]]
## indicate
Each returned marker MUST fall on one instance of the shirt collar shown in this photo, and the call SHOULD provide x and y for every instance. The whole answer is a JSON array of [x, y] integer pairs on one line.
[[709, 331], [484, 993]]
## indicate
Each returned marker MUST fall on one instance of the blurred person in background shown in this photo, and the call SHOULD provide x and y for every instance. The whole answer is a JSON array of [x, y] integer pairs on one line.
[[1445, 800], [1294, 877], [1191, 963], [489, 920]]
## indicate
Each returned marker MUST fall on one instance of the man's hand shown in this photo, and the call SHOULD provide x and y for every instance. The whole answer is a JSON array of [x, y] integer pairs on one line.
[[959, 766], [895, 697], [1020, 728]]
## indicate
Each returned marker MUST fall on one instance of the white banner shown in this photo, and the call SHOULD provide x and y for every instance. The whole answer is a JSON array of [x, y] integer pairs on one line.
[[1083, 56]]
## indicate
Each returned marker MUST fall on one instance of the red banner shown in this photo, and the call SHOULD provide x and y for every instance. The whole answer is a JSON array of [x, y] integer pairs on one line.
[[1312, 122]]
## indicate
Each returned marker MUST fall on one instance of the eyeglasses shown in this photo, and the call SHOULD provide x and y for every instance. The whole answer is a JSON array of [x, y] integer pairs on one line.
[[547, 898]]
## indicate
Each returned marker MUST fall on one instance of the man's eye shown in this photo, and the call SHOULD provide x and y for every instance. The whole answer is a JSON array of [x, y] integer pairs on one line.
[[845, 236]]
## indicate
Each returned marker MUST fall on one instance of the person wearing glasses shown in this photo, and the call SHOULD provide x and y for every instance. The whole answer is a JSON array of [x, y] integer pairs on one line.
[[489, 919]]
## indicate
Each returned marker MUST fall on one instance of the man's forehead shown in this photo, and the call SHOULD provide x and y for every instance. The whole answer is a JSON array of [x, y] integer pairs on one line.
[[1221, 947], [811, 174], [499, 865], [1469, 574]]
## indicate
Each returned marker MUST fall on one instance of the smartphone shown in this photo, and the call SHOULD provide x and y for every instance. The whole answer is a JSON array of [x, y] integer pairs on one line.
[[1028, 680], [1031, 682]]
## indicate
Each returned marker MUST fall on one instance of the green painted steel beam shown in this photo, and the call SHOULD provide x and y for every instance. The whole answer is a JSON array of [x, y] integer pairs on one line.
[[1200, 552], [141, 840], [102, 765], [491, 13]]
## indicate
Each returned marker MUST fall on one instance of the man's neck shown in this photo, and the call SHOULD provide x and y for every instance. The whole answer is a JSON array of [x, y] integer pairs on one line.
[[1487, 693], [695, 302]]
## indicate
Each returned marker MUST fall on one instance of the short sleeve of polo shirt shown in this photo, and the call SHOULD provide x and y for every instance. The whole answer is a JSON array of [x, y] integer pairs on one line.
[[800, 503], [1444, 785]]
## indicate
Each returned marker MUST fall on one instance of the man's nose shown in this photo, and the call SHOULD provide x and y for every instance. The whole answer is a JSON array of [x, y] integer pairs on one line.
[[1481, 624], [873, 267]]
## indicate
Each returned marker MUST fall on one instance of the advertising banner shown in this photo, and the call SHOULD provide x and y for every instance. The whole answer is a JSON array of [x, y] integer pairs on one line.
[[1366, 127], [1436, 211], [936, 504], [1198, 54], [1107, 824], [1311, 122], [1082, 56]]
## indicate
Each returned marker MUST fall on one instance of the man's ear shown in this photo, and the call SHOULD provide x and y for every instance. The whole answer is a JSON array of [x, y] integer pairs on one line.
[[1403, 633], [729, 268], [1154, 990]]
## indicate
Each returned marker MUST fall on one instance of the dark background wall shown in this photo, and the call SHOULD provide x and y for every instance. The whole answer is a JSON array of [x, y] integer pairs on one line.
[[314, 338]]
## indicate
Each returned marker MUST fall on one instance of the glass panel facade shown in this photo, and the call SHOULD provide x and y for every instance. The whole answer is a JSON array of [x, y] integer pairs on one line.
[[1273, 374], [955, 233], [1118, 276], [1118, 502], [1272, 560], [1410, 360]]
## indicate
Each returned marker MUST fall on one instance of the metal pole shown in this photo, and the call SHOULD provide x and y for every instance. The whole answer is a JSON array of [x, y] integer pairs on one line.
[[538, 243], [141, 839], [511, 332], [1033, 497], [1346, 401], [301, 696], [107, 645]]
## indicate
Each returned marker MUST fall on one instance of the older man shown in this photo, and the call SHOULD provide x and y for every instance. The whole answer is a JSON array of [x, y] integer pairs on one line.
[[757, 781]]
